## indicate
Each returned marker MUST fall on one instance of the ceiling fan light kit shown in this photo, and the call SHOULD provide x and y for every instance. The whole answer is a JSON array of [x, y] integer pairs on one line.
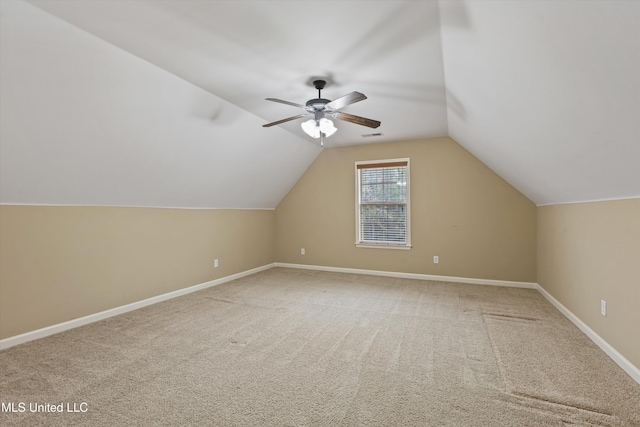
[[319, 126], [314, 128]]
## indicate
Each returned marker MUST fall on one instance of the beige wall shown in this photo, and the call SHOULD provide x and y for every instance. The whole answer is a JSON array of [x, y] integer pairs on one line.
[[591, 251], [478, 224], [61, 263]]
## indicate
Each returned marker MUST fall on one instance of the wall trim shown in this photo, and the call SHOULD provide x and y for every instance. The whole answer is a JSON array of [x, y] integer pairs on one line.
[[589, 201], [91, 318], [491, 282], [134, 206], [620, 360]]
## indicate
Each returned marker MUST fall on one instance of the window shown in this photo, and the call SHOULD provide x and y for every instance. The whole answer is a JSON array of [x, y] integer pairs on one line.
[[382, 204]]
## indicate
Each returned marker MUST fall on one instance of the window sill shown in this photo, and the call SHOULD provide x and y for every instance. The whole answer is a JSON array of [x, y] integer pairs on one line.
[[382, 246]]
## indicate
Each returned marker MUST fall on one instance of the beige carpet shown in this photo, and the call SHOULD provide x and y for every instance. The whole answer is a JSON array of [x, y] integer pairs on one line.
[[304, 348]]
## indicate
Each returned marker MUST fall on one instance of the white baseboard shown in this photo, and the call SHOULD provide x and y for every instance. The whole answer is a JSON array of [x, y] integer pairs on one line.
[[60, 327], [526, 285], [81, 321], [620, 360]]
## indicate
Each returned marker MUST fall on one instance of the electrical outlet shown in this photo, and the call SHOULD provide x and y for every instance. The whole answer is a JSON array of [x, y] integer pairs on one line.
[[301, 251], [603, 307], [436, 259], [215, 263]]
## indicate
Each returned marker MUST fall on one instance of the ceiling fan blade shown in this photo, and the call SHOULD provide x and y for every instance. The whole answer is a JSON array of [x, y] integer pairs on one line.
[[285, 102], [285, 120], [357, 120], [348, 99]]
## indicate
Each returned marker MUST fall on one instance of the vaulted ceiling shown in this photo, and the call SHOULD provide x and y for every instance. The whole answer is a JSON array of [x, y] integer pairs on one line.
[[161, 103]]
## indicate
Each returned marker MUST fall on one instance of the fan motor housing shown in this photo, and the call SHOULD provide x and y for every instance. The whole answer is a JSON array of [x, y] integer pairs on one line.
[[317, 102]]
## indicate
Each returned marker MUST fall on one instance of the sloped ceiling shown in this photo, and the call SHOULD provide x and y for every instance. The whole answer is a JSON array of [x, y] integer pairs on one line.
[[548, 94], [160, 103]]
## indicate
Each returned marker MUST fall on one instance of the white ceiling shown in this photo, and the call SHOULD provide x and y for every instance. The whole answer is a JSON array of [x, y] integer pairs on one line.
[[548, 94], [246, 51], [160, 103]]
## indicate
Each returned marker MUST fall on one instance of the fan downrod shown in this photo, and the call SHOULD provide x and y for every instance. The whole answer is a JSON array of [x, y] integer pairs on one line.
[[319, 102], [319, 84]]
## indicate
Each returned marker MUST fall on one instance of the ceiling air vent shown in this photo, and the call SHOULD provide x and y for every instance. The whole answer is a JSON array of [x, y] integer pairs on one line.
[[369, 135]]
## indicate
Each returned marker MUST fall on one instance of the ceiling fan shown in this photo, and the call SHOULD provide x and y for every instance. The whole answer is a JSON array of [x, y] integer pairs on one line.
[[319, 126]]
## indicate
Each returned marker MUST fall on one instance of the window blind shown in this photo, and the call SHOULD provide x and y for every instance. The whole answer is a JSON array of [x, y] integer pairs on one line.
[[382, 203]]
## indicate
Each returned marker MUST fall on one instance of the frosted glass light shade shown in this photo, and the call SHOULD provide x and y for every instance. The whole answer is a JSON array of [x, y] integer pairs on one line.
[[310, 128], [327, 127], [313, 128]]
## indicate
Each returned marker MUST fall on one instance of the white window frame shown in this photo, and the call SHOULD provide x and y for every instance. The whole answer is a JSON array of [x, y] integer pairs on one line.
[[383, 245]]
